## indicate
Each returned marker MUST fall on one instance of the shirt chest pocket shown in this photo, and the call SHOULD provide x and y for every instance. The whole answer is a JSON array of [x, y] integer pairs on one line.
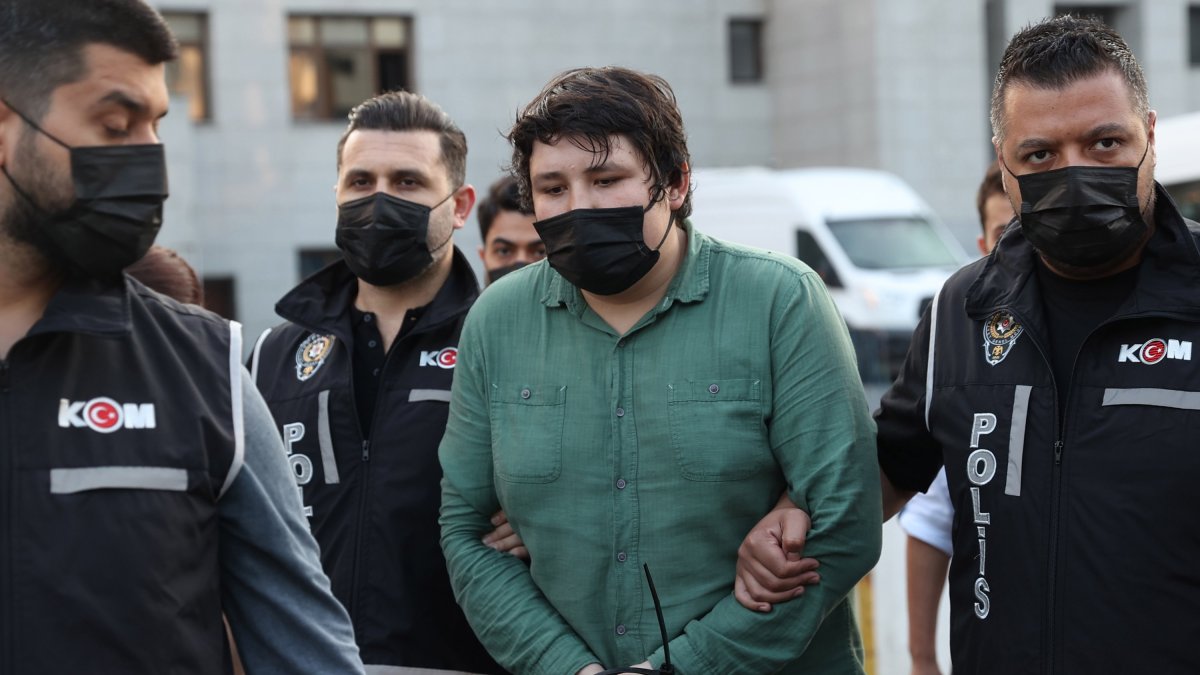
[[527, 432], [717, 429]]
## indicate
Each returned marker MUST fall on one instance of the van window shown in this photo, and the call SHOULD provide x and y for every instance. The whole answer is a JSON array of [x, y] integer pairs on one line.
[[892, 243], [809, 252]]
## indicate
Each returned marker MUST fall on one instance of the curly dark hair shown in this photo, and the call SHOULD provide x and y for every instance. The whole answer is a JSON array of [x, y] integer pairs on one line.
[[589, 106]]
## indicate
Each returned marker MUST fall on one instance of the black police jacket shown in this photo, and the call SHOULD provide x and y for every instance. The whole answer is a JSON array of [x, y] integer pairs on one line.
[[120, 419], [1075, 546], [373, 505]]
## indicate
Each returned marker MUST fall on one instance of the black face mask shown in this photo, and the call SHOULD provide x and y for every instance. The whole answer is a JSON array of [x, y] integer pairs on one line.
[[116, 212], [1083, 216], [384, 239], [602, 251], [493, 275]]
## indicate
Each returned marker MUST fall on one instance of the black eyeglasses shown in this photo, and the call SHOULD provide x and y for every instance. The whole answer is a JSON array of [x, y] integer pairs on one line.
[[666, 668]]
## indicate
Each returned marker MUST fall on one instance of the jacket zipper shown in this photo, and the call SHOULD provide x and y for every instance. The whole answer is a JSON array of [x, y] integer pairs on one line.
[[360, 523], [1060, 424], [1055, 487]]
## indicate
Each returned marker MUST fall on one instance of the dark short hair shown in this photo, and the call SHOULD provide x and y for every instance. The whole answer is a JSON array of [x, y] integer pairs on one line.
[[503, 195], [42, 41], [588, 106], [406, 111], [992, 185], [163, 270], [1058, 52]]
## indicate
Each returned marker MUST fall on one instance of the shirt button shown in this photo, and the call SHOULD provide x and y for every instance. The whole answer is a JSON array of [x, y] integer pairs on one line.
[[621, 342], [525, 393], [621, 483], [375, 372], [368, 318], [620, 629], [372, 343], [620, 412], [621, 557], [712, 389]]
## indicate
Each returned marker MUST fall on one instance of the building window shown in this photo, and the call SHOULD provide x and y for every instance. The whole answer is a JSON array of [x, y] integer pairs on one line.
[[746, 50], [313, 259], [220, 296], [1194, 35], [337, 62], [188, 75]]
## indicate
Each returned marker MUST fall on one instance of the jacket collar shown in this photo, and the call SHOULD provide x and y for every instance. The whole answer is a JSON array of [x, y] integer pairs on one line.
[[1168, 280], [89, 307], [322, 301]]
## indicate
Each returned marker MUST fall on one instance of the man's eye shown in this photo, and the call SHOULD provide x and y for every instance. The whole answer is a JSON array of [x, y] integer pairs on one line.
[[1108, 144], [113, 132], [1038, 157]]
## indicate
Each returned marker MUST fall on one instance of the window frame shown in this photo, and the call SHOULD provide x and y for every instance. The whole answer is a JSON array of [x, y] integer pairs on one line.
[[203, 44], [759, 26], [318, 50]]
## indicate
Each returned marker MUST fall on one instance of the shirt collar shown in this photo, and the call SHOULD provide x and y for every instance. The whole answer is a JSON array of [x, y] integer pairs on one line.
[[690, 283]]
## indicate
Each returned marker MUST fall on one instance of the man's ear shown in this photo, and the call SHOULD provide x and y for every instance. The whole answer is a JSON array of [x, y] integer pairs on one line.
[[464, 200], [677, 191], [8, 121], [1150, 123]]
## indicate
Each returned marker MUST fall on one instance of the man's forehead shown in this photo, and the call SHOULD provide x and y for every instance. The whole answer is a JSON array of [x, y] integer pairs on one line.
[[113, 76], [1105, 93], [385, 149], [615, 150]]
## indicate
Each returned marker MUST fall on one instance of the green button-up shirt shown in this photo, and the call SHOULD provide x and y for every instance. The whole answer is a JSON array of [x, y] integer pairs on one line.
[[662, 446]]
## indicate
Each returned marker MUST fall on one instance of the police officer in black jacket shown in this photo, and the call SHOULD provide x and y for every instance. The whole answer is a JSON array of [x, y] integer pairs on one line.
[[358, 379], [1058, 383], [143, 492]]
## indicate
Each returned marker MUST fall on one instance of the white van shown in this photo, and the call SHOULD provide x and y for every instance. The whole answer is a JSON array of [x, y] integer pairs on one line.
[[879, 247]]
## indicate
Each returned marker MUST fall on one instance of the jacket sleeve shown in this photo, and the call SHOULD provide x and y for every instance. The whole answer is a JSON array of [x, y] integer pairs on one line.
[[277, 598], [504, 606], [823, 439], [908, 453]]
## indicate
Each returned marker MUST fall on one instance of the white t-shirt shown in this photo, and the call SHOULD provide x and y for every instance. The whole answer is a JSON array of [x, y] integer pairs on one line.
[[930, 516]]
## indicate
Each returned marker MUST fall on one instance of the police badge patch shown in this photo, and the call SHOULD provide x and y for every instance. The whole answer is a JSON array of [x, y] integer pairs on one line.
[[312, 354], [1000, 333]]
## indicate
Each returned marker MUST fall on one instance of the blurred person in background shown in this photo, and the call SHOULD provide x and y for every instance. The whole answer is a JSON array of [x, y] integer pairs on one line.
[[510, 241], [164, 270]]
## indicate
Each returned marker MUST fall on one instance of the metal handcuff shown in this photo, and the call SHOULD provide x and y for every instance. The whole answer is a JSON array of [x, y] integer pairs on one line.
[[666, 668]]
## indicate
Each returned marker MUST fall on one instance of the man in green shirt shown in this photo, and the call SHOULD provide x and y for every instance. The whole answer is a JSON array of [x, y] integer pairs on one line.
[[645, 398]]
